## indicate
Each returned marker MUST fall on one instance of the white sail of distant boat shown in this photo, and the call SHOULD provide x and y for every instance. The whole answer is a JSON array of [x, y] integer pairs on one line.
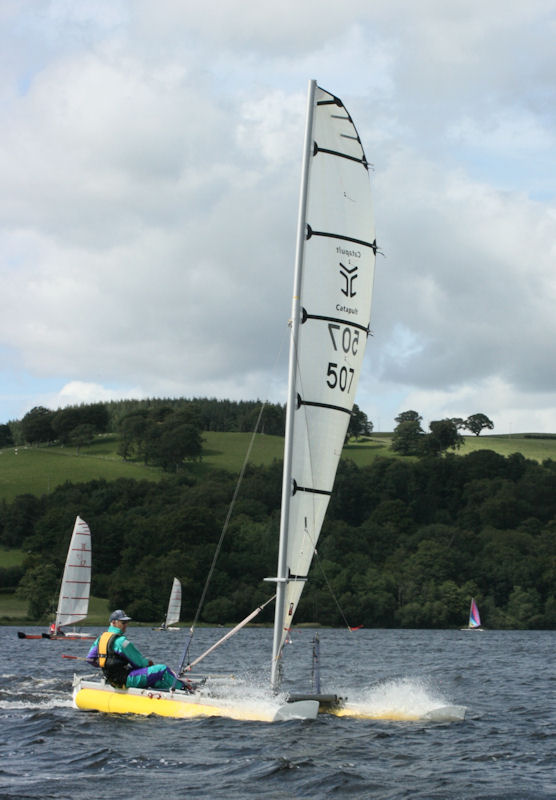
[[333, 280], [174, 605], [73, 600], [333, 283]]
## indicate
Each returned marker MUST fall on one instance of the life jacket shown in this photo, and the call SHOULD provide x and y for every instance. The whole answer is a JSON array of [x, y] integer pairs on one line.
[[114, 666]]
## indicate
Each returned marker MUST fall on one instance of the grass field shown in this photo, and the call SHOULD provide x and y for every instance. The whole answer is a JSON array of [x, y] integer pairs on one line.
[[10, 558], [38, 470], [13, 611]]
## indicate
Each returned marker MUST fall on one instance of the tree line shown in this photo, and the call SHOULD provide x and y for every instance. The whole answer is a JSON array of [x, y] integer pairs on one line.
[[404, 544], [409, 438], [163, 433], [78, 425]]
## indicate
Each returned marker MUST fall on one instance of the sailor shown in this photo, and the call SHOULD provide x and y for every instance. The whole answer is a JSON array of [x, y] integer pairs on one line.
[[56, 631], [123, 665]]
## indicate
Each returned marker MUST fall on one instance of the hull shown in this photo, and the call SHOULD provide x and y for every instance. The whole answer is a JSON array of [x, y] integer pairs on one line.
[[439, 714], [341, 707], [99, 696], [68, 637], [166, 629]]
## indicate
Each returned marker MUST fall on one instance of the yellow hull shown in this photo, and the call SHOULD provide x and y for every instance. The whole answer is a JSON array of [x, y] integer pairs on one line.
[[390, 716], [97, 696], [438, 714]]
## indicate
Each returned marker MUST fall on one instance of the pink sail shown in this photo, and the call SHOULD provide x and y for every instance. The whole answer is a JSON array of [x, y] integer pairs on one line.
[[474, 617]]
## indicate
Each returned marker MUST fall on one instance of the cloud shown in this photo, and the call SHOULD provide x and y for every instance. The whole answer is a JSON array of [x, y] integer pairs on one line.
[[150, 164]]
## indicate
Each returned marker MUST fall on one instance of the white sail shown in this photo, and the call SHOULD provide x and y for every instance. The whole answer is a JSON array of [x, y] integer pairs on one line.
[[174, 604], [73, 603], [330, 323]]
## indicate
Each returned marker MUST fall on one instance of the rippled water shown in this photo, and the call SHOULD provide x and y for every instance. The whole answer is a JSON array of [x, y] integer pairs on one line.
[[505, 747]]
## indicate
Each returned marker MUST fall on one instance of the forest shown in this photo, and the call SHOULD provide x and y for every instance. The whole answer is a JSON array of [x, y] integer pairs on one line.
[[406, 543]]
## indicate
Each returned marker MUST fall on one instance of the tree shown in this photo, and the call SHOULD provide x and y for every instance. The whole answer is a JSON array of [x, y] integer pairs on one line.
[[133, 429], [359, 424], [6, 438], [272, 422], [444, 435], [409, 416], [407, 437], [82, 435], [459, 422], [38, 586], [37, 425], [172, 445], [64, 421], [523, 606], [97, 415], [477, 422]]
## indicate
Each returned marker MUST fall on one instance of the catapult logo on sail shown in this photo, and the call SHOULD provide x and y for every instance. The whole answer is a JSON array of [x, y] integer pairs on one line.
[[349, 274]]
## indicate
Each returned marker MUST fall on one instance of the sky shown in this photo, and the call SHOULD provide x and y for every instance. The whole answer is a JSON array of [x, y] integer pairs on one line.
[[150, 158]]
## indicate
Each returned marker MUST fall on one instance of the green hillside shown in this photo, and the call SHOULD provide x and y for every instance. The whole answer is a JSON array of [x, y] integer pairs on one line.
[[38, 470], [405, 543]]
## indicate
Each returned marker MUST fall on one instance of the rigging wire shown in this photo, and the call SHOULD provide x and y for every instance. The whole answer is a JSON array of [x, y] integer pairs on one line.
[[331, 590], [220, 541], [185, 656]]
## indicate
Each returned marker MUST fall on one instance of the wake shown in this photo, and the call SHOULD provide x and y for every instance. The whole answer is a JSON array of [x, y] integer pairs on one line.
[[403, 699]]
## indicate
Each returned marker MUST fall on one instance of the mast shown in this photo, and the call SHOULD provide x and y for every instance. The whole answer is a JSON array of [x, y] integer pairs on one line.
[[282, 577]]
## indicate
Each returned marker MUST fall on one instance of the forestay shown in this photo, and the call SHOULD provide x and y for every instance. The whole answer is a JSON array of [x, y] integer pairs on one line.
[[73, 603], [330, 324]]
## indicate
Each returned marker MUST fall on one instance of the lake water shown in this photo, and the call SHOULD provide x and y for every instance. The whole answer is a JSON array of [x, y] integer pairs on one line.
[[505, 747]]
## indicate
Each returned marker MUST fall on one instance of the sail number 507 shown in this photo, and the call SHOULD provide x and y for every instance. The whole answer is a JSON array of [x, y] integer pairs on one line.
[[341, 378], [347, 339]]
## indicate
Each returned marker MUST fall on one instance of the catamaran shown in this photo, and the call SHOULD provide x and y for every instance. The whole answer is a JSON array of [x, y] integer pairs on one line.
[[474, 623], [73, 600], [174, 608], [333, 279]]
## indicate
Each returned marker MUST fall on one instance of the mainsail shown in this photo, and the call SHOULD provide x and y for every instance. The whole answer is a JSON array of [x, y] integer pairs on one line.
[[174, 604], [335, 259], [73, 603], [474, 616]]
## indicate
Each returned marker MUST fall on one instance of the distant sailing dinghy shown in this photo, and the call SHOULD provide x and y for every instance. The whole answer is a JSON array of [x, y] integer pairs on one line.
[[474, 623], [174, 608], [73, 601], [333, 278]]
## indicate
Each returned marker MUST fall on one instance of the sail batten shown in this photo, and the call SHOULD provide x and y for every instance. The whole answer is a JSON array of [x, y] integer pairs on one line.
[[337, 320], [335, 282], [337, 154], [341, 409], [332, 235], [310, 489]]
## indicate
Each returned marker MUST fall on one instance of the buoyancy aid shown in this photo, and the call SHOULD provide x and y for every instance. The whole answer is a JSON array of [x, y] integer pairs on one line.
[[114, 666]]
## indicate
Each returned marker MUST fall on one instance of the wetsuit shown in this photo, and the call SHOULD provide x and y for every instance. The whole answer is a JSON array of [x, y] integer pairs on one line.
[[141, 675]]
